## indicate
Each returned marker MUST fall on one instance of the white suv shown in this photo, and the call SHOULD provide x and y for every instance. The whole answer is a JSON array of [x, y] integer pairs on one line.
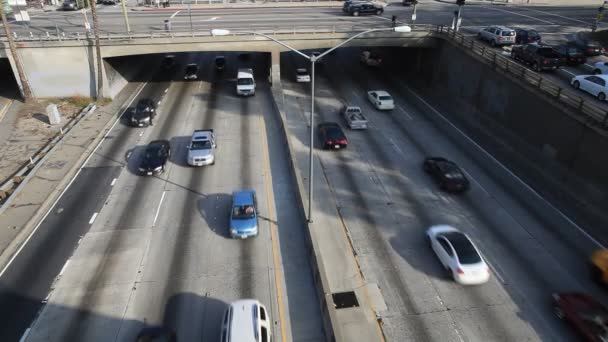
[[497, 35]]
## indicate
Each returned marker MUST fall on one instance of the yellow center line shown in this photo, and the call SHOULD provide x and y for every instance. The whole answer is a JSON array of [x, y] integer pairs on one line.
[[269, 195]]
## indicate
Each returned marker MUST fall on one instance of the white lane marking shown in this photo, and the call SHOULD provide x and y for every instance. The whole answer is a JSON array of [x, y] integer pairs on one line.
[[214, 18], [521, 15], [64, 267], [158, 209], [93, 218], [564, 216], [8, 264], [113, 182], [409, 117], [557, 15], [174, 14]]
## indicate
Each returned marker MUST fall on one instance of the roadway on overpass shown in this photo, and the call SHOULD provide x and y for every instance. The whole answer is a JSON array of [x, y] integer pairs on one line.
[[156, 250]]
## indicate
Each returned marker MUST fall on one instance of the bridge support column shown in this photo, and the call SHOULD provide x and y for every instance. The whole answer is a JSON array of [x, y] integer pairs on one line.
[[275, 66]]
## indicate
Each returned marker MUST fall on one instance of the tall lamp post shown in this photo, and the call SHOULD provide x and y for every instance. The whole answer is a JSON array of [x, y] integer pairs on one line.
[[313, 60]]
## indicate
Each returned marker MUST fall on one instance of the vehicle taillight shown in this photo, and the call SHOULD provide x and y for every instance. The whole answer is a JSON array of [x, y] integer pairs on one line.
[[459, 271], [343, 141], [590, 49], [330, 142], [545, 61], [499, 37]]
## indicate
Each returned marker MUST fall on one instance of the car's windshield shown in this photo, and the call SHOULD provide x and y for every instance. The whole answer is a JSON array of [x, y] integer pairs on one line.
[[191, 69], [467, 254], [532, 33], [244, 81], [201, 145], [385, 98], [243, 212], [334, 132], [507, 33], [141, 106], [153, 152]]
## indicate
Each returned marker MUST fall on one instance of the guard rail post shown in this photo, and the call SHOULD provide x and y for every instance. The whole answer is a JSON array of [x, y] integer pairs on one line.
[[559, 93], [580, 103], [540, 79], [605, 121], [494, 59]]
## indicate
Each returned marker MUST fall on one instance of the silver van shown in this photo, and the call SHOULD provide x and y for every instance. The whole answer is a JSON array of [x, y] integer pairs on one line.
[[246, 320]]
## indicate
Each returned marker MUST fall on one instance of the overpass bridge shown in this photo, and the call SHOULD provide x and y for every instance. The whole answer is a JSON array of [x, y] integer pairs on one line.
[[73, 71]]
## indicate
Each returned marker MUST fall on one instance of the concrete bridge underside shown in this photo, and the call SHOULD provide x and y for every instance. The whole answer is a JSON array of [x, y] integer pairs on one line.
[[68, 68]]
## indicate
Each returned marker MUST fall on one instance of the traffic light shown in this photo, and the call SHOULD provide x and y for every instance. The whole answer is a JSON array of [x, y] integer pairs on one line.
[[460, 2]]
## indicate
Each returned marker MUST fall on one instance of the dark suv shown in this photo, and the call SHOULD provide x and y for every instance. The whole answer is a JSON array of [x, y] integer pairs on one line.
[[357, 9], [143, 113]]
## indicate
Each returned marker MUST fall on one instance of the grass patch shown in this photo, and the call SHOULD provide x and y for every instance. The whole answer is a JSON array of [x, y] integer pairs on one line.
[[78, 101]]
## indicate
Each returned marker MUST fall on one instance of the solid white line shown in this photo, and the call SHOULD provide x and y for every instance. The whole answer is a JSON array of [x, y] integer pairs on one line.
[[502, 280], [8, 264], [522, 15], [158, 209], [93, 218], [113, 182], [24, 337], [64, 267], [568, 72], [581, 230], [174, 14], [409, 117], [557, 15]]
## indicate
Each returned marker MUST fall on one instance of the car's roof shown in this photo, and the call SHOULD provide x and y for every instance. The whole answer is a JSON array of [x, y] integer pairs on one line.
[[192, 65], [243, 197], [502, 28], [201, 135], [329, 124], [602, 76], [243, 326], [381, 92], [156, 143], [459, 241]]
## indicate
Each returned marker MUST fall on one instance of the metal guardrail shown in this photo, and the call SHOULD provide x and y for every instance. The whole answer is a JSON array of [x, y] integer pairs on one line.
[[204, 31], [594, 114]]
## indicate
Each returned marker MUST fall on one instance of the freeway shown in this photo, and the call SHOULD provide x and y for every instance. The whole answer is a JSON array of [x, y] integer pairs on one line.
[[122, 251], [386, 202]]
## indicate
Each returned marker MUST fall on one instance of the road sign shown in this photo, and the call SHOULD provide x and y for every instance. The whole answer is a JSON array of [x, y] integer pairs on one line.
[[22, 16]]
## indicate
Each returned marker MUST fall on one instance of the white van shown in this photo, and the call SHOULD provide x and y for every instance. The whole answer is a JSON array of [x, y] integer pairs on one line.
[[245, 84], [246, 320]]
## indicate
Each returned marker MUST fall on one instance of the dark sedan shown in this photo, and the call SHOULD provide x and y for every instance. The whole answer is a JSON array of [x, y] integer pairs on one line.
[[332, 136], [589, 47], [156, 334], [570, 54], [526, 36], [155, 157], [587, 316], [144, 113], [449, 176]]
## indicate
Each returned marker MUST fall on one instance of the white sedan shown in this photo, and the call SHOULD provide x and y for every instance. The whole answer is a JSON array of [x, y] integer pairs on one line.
[[381, 99], [458, 254], [600, 68], [593, 84], [302, 75]]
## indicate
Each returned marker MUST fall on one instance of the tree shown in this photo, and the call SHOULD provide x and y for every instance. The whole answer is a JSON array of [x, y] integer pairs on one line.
[[25, 85], [99, 94]]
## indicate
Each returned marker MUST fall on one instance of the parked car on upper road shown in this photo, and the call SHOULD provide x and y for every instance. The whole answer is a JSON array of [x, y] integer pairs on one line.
[[458, 255], [70, 5], [302, 75], [370, 59], [449, 176], [220, 62], [332, 136], [592, 84], [585, 314], [526, 36], [354, 117], [168, 62], [588, 46], [409, 2], [155, 157], [366, 8], [381, 99], [191, 72], [497, 35], [570, 54], [348, 3], [539, 56]]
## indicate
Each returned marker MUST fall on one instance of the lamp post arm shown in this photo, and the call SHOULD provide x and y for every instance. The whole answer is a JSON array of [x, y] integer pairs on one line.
[[277, 41], [352, 38]]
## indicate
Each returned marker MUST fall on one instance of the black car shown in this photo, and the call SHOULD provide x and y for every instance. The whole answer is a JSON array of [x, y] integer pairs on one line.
[[409, 2], [156, 334], [588, 46], [70, 5], [191, 72], [570, 54], [348, 3], [168, 62], [155, 157], [332, 136], [358, 9], [526, 36], [144, 113], [220, 62], [449, 176]]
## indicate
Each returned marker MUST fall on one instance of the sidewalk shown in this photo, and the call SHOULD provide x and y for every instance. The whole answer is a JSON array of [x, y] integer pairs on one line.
[[44, 185], [243, 5]]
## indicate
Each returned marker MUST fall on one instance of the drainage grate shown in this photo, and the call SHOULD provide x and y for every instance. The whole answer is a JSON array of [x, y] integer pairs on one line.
[[345, 300]]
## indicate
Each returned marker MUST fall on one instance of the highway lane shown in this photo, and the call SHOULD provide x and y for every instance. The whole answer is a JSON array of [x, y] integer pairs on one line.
[[158, 252], [387, 201], [26, 283]]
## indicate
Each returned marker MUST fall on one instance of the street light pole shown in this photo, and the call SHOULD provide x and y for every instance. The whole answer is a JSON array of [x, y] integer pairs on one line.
[[124, 12], [313, 60]]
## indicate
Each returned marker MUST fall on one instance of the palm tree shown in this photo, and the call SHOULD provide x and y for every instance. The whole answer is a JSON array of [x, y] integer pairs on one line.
[[99, 94], [25, 85]]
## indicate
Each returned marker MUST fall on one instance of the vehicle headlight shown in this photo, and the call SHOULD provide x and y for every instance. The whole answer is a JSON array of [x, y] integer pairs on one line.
[[233, 231], [158, 168], [142, 169]]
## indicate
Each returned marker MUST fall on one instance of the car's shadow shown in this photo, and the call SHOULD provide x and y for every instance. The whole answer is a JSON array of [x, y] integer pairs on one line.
[[179, 150]]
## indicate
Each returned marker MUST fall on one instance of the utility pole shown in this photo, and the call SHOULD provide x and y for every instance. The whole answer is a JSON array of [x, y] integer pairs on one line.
[[124, 12], [460, 3], [415, 2], [599, 17], [99, 94], [25, 85]]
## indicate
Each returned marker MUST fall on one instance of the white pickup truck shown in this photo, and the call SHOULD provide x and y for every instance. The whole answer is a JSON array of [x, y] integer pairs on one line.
[[354, 118]]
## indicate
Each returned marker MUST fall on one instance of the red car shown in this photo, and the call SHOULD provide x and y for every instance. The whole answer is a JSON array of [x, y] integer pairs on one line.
[[588, 316], [332, 136]]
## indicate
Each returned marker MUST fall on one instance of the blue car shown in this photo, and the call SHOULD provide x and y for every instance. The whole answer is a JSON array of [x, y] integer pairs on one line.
[[244, 214]]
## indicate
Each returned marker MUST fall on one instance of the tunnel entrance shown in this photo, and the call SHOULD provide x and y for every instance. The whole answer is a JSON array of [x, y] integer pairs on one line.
[[8, 87]]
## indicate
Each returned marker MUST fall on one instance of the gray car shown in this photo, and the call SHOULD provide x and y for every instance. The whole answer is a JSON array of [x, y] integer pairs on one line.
[[497, 35], [201, 150]]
